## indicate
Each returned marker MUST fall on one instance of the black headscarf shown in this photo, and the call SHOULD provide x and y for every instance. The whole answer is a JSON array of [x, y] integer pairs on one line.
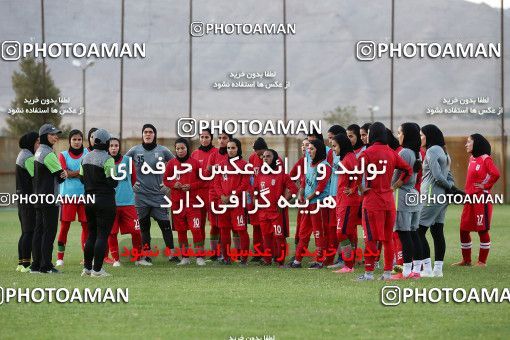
[[118, 156], [43, 139], [481, 146], [27, 141], [260, 144], [433, 135], [91, 131], [274, 164], [356, 130], [317, 135], [239, 150], [72, 150], [412, 141], [320, 154], [336, 129], [153, 144], [185, 142], [345, 145], [392, 140], [365, 127], [223, 149], [377, 133], [208, 147]]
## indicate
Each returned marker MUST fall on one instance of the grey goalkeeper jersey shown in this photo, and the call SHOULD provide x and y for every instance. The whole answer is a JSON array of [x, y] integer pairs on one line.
[[149, 189], [403, 200], [436, 173]]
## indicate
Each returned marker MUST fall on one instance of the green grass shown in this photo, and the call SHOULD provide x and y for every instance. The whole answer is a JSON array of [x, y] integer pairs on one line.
[[215, 302]]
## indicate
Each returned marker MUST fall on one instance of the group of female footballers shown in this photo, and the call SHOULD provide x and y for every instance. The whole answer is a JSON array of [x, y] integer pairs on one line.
[[206, 184]]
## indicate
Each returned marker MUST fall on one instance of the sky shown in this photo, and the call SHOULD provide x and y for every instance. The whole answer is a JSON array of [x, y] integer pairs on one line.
[[493, 3]]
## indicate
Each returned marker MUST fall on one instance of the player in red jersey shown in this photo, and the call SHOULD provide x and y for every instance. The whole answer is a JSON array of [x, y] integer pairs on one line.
[[314, 188], [228, 185], [255, 159], [202, 155], [378, 215], [347, 202], [353, 132], [274, 221], [297, 171], [216, 157], [481, 176], [329, 218], [183, 195]]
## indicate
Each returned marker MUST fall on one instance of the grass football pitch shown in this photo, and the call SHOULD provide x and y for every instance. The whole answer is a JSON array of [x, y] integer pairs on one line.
[[217, 302]]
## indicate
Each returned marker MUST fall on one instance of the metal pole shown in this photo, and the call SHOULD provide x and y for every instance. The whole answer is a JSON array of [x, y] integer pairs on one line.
[[121, 113], [285, 138], [392, 61], [190, 62], [43, 41], [83, 96], [503, 137]]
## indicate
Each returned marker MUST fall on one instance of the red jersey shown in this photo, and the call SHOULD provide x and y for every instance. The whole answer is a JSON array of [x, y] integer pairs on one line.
[[256, 161], [192, 178], [215, 158], [298, 168], [344, 182], [225, 184], [203, 158], [277, 184], [380, 195], [481, 170]]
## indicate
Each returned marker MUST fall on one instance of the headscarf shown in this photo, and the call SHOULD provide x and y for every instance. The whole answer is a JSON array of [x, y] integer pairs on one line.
[[433, 135], [72, 150], [91, 131], [377, 133], [336, 129], [345, 145], [27, 141], [186, 143], [208, 147], [392, 140], [239, 150], [320, 154], [153, 144], [274, 164], [481, 146], [118, 156], [412, 141], [356, 130]]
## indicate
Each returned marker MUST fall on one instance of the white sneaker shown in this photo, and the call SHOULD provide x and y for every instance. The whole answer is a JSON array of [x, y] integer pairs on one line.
[[437, 273], [116, 264], [185, 261], [101, 273], [85, 272], [59, 263], [426, 273], [200, 261], [142, 262]]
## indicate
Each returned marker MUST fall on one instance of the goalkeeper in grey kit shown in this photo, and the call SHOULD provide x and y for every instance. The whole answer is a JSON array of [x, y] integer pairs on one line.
[[149, 189]]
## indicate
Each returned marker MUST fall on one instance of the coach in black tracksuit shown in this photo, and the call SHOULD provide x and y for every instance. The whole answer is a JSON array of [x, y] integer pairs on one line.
[[95, 173], [28, 143], [48, 174]]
